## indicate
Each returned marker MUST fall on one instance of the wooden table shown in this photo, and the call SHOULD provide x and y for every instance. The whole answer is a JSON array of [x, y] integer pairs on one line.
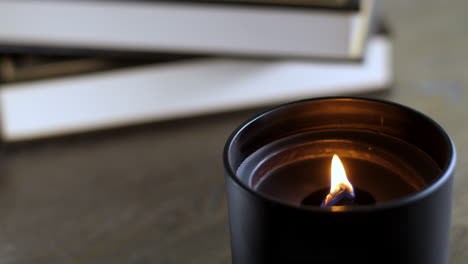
[[155, 194]]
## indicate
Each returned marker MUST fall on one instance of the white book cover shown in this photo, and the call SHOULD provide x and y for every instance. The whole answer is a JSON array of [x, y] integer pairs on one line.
[[165, 91], [185, 27]]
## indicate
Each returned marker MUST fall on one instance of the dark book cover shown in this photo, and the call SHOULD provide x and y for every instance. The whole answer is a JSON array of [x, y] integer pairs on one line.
[[345, 5]]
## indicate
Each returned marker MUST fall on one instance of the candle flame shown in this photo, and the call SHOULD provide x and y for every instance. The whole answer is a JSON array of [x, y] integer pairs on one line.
[[340, 185]]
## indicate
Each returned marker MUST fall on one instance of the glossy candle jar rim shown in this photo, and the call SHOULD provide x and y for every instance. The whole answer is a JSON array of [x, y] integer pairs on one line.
[[446, 170]]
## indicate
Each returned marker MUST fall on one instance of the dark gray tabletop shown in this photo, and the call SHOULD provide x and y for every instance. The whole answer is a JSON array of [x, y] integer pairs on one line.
[[155, 194]]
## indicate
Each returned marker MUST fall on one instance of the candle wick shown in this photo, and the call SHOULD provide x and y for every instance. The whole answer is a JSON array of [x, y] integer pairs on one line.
[[342, 191]]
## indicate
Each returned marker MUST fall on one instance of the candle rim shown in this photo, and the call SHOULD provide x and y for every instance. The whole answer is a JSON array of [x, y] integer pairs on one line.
[[447, 170]]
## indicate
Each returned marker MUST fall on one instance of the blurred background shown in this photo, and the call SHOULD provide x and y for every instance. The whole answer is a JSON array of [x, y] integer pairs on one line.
[[113, 154]]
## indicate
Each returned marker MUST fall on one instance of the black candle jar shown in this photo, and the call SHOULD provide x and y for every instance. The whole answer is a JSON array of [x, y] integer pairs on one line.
[[398, 157]]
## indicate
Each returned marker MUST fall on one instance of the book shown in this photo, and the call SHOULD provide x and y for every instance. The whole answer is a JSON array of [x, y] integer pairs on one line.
[[60, 106], [189, 27]]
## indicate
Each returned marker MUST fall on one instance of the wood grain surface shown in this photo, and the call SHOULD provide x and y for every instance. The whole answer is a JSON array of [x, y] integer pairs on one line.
[[156, 194]]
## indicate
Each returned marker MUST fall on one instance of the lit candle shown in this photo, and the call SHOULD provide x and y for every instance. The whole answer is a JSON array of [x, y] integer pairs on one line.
[[390, 191]]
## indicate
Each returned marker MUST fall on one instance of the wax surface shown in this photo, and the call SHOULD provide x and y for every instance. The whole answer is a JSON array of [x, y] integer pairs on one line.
[[295, 167], [296, 181]]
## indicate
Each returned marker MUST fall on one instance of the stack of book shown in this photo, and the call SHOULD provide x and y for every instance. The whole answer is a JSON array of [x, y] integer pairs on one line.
[[75, 66]]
